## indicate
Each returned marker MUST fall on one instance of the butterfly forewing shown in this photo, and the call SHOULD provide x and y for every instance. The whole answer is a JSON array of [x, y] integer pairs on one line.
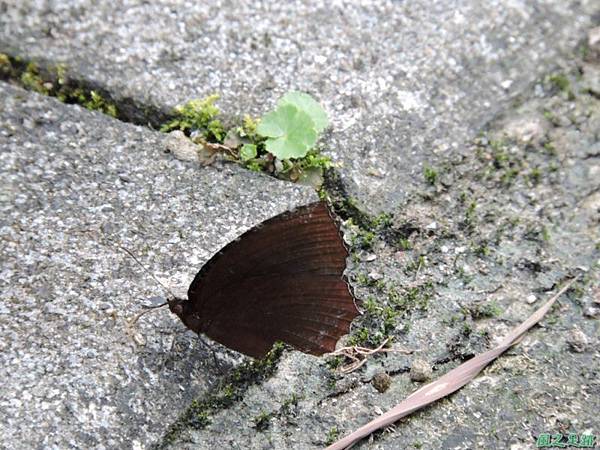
[[282, 280]]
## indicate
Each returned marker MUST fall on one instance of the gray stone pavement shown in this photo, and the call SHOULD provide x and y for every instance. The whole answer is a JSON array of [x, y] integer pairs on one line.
[[511, 216], [405, 85], [403, 82], [72, 375]]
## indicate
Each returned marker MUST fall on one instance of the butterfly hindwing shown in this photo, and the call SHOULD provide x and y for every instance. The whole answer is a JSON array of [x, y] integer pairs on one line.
[[282, 280]]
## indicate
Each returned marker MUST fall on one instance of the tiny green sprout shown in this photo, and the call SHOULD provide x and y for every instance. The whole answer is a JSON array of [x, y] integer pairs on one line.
[[333, 362], [545, 234], [371, 306], [249, 126], [332, 436], [430, 175], [535, 175], [482, 250], [470, 213], [309, 105], [467, 329], [248, 152], [261, 422], [404, 244], [490, 309], [550, 148]]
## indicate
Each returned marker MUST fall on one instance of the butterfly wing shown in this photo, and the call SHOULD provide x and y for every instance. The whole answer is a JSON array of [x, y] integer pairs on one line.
[[282, 280]]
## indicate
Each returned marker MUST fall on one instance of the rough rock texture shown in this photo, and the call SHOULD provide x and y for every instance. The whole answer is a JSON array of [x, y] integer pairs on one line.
[[74, 181], [402, 81], [505, 221], [506, 212]]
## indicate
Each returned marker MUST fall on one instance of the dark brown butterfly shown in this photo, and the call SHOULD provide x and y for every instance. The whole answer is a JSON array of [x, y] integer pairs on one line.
[[280, 281]]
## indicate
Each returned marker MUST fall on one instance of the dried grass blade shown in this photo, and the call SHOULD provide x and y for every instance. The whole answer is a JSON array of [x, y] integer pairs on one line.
[[449, 383]]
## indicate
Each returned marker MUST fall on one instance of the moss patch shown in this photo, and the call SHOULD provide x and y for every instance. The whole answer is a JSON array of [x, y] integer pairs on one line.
[[230, 390], [56, 80]]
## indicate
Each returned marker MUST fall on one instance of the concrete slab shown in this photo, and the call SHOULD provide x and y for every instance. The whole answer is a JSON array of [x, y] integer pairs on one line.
[[403, 82], [502, 225], [72, 374]]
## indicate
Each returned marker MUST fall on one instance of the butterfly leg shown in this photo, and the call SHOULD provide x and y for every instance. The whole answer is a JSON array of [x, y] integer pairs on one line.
[[173, 347], [220, 366]]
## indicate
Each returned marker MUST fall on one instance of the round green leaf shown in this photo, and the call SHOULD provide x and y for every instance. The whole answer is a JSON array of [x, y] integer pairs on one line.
[[309, 105], [291, 132]]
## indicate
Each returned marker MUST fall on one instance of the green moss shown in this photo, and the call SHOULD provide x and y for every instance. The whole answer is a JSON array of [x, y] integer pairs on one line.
[[31, 79], [560, 81], [381, 318], [466, 329], [55, 82], [229, 391], [371, 306], [361, 337], [485, 310], [95, 102], [363, 239], [198, 115], [382, 220], [414, 298], [6, 68], [289, 405], [545, 234], [509, 176]]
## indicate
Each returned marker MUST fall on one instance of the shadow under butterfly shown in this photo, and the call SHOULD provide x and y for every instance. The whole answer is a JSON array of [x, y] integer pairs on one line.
[[282, 280]]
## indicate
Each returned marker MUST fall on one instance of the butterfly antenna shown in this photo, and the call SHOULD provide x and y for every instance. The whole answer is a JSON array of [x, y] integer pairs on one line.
[[151, 274]]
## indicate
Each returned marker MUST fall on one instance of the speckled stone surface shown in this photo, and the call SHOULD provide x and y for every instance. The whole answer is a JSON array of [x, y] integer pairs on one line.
[[508, 219], [72, 374], [404, 82]]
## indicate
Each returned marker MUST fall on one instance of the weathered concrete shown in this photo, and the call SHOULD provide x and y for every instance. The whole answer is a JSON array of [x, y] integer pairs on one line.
[[507, 220], [72, 181], [403, 82]]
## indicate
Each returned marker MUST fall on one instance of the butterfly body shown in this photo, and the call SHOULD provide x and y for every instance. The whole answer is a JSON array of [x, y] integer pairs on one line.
[[280, 281]]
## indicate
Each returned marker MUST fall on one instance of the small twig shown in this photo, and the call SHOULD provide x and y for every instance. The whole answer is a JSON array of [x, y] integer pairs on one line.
[[451, 381], [359, 355], [215, 148]]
